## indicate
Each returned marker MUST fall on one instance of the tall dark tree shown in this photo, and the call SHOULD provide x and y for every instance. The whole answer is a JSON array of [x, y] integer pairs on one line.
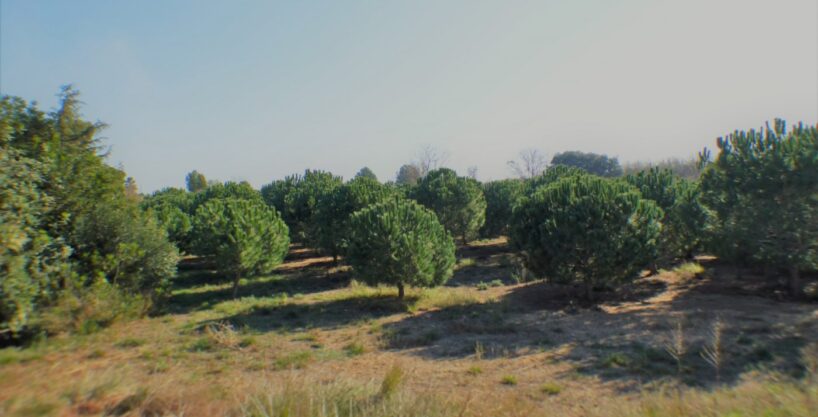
[[596, 164]]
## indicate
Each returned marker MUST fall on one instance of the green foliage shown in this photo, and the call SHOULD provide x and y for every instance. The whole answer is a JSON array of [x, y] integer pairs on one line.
[[584, 228], [296, 197], [408, 174], [243, 236], [596, 164], [763, 190], [195, 181], [31, 262], [365, 172], [128, 247], [74, 217], [331, 219], [685, 216], [171, 207], [401, 243], [458, 202], [237, 190], [551, 175], [500, 199]]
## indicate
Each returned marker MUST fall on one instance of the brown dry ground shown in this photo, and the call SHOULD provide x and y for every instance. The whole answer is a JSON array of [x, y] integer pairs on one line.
[[501, 348]]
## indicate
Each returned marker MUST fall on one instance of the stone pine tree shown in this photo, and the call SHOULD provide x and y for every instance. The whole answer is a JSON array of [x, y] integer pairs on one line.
[[500, 199], [195, 181], [685, 216], [334, 209], [240, 190], [763, 190], [399, 242], [244, 237], [586, 229], [458, 202]]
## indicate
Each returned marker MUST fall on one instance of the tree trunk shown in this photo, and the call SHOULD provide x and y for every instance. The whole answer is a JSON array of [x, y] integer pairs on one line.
[[236, 285], [795, 281], [589, 291], [465, 241], [401, 291]]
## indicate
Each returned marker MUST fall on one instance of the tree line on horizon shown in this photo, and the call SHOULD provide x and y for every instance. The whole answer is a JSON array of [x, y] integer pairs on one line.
[[82, 248]]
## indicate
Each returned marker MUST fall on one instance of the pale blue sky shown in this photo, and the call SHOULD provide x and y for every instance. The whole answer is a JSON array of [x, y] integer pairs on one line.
[[256, 90]]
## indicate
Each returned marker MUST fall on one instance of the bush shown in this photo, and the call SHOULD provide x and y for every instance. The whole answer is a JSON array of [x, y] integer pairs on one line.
[[500, 199], [401, 243], [331, 219], [763, 190], [584, 228], [243, 237], [458, 202]]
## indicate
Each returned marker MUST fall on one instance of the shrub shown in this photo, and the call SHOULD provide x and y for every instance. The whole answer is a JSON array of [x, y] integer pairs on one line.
[[401, 243], [763, 190], [588, 229], [500, 199], [243, 236], [458, 201]]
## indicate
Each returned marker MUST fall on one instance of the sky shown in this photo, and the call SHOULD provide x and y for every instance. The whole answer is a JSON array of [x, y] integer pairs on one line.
[[257, 90]]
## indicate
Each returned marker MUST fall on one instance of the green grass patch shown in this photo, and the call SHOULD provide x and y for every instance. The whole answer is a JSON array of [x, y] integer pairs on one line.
[[551, 388], [508, 380]]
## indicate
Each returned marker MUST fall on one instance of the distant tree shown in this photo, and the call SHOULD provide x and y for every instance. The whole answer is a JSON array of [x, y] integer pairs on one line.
[[472, 172], [132, 190], [531, 164], [763, 189], [458, 202], [243, 236], [335, 208], [367, 173], [597, 231], [685, 168], [500, 199], [408, 174], [301, 203], [401, 243], [195, 181], [596, 164], [429, 158]]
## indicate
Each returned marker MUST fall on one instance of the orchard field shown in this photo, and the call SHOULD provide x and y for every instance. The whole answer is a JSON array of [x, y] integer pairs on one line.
[[578, 288]]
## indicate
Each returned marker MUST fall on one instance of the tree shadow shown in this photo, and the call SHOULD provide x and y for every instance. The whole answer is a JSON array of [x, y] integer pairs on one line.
[[307, 281], [625, 336], [327, 314]]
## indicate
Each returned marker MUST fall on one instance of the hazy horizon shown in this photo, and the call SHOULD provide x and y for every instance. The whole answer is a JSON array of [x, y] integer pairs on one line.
[[259, 91]]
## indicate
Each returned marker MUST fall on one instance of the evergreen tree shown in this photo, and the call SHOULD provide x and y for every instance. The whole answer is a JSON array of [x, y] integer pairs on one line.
[[458, 202], [401, 243], [335, 208], [763, 190], [583, 228], [500, 199], [243, 236]]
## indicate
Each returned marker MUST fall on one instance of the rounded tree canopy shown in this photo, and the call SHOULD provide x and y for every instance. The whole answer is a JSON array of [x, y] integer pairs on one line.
[[458, 201], [588, 229], [399, 242]]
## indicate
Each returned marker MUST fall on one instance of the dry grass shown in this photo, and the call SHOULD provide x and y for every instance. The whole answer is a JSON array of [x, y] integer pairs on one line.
[[306, 343]]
